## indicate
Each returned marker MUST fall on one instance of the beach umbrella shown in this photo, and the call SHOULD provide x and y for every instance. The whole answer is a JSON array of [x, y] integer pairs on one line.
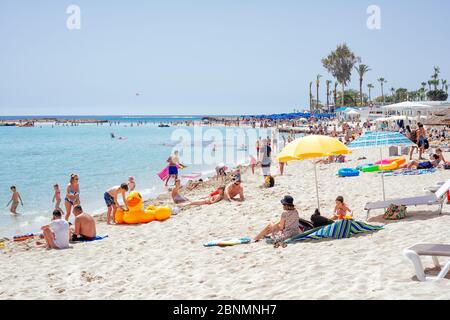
[[312, 147], [381, 140]]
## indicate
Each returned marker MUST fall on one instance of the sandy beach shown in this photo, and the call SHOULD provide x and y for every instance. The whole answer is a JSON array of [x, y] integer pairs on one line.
[[168, 261]]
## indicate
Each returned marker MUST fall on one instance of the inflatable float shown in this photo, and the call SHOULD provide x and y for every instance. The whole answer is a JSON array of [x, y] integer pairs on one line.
[[370, 168], [136, 213], [346, 172]]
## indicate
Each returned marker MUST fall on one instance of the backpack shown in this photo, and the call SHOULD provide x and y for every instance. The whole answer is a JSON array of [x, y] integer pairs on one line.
[[394, 212], [414, 136]]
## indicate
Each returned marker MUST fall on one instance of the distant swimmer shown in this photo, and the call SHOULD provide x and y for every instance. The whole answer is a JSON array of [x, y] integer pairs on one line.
[[112, 135]]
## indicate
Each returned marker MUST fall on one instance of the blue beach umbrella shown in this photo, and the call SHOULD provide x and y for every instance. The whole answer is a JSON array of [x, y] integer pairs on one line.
[[381, 140]]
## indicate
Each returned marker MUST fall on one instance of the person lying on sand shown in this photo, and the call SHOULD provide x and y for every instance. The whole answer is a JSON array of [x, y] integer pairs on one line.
[[340, 210], [176, 196], [56, 234], [433, 163], [84, 226], [234, 189], [210, 200], [191, 185], [286, 228]]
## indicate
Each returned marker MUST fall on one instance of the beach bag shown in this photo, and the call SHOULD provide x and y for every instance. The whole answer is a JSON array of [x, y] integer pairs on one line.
[[447, 166], [426, 144], [394, 212]]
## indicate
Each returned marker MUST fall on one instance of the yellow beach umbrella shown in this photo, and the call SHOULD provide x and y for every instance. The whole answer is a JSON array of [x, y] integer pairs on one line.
[[312, 147]]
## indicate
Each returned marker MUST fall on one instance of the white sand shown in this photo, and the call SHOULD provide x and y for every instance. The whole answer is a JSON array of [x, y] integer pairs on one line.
[[167, 260]]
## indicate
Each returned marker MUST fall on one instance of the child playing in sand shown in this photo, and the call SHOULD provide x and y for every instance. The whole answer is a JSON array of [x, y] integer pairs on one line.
[[57, 196], [131, 184], [340, 210], [287, 227], [14, 200]]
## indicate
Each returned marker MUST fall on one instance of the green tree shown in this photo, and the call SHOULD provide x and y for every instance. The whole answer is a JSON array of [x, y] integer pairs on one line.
[[339, 64], [317, 90], [362, 69], [382, 81]]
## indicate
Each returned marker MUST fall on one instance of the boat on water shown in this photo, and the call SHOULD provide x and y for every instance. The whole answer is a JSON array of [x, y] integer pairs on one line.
[[7, 124], [164, 126]]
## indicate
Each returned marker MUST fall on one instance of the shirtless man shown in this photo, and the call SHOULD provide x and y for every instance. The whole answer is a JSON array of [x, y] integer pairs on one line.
[[233, 190], [111, 201], [14, 200], [84, 226]]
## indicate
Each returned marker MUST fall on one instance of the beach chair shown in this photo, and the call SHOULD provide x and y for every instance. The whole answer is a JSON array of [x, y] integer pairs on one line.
[[431, 250], [431, 198]]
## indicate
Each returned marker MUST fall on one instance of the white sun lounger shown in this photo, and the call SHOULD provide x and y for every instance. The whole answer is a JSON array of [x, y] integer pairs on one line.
[[436, 198], [432, 250]]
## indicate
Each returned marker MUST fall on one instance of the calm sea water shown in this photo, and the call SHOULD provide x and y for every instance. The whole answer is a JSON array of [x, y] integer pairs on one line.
[[34, 159]]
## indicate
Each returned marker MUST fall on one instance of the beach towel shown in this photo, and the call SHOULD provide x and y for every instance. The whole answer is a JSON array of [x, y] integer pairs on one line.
[[409, 172], [97, 238], [227, 242], [341, 229]]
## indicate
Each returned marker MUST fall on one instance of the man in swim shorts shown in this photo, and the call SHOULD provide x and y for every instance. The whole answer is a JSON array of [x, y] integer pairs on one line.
[[233, 190], [111, 201], [84, 226]]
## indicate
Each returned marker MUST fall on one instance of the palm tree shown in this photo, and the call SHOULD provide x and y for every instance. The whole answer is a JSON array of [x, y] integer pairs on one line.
[[370, 86], [435, 78], [317, 90], [393, 94], [446, 88], [340, 64], [335, 93], [382, 81], [444, 83], [430, 82], [328, 82], [362, 69], [310, 97], [424, 85]]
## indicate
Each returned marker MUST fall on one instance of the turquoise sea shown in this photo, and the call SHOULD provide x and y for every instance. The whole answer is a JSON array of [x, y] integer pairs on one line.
[[36, 158]]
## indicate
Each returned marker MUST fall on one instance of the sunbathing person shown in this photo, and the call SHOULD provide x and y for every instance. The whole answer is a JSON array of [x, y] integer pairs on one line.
[[340, 210], [439, 152], [176, 196], [210, 200], [286, 228], [433, 163], [233, 190], [84, 226]]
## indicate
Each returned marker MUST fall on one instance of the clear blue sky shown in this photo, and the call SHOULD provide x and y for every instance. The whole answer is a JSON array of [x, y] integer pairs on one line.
[[204, 57]]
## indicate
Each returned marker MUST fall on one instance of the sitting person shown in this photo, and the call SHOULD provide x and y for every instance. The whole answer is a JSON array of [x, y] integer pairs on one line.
[[176, 196], [340, 210], [84, 226], [191, 185], [221, 171], [233, 190], [433, 163], [440, 153], [56, 234], [210, 200], [286, 228]]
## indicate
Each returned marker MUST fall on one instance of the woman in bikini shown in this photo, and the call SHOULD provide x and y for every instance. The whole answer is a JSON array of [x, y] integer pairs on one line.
[[72, 195]]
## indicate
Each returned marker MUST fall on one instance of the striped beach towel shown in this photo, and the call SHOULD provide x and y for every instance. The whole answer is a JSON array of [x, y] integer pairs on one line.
[[409, 172], [339, 230]]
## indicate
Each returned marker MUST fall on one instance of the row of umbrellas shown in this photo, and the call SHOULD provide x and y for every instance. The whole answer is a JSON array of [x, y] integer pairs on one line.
[[313, 147]]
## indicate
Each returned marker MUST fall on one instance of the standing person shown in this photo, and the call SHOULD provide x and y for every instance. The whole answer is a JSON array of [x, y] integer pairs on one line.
[[258, 146], [111, 201], [56, 234], [411, 135], [265, 158], [14, 200], [282, 164], [131, 184], [421, 137], [72, 195], [57, 196], [173, 169], [275, 139]]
